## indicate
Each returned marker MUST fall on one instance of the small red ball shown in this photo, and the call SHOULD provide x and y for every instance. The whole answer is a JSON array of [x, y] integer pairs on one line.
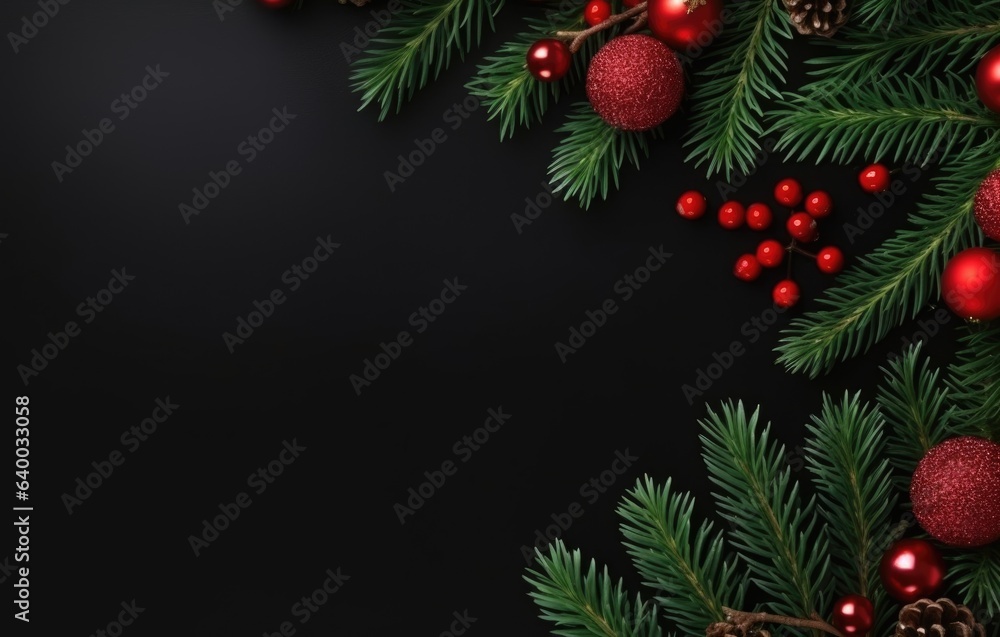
[[770, 253], [691, 204], [597, 11], [854, 614], [549, 60], [987, 205], [670, 21], [785, 293], [874, 178], [970, 284], [802, 227], [747, 267], [830, 260], [818, 204], [912, 569], [759, 216], [731, 215], [988, 79], [788, 192]]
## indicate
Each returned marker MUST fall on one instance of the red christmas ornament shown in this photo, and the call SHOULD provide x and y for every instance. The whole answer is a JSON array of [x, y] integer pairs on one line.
[[988, 79], [853, 614], [912, 569], [691, 204], [970, 284], [596, 12], [635, 82], [987, 205], [670, 21], [956, 491], [549, 59]]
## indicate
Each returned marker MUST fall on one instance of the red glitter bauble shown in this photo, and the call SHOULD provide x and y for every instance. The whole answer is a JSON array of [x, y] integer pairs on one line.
[[970, 284], [912, 569], [987, 205], [853, 614], [988, 79], [670, 21], [956, 491], [635, 82]]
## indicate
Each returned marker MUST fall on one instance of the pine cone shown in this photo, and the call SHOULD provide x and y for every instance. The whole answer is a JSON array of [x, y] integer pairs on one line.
[[943, 618], [817, 17], [725, 629]]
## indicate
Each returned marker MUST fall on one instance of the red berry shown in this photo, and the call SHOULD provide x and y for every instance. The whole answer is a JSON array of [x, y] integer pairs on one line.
[[691, 204], [770, 253], [747, 267], [597, 11], [802, 227], [788, 192], [874, 178], [785, 293], [830, 260], [758, 216], [818, 204], [731, 215]]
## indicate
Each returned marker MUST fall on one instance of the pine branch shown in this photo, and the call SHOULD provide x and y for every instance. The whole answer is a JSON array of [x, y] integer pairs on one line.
[[845, 453], [976, 574], [892, 284], [747, 66], [582, 605], [591, 154], [694, 579], [419, 43], [777, 536], [881, 14], [974, 381]]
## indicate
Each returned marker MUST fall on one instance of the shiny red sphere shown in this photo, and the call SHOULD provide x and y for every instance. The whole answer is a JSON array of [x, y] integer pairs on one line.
[[802, 227], [819, 204], [670, 21], [731, 215], [691, 204], [597, 11], [759, 216], [853, 614], [874, 178], [785, 293], [747, 267], [912, 569], [770, 253], [788, 192], [970, 284], [549, 59], [830, 260], [988, 79]]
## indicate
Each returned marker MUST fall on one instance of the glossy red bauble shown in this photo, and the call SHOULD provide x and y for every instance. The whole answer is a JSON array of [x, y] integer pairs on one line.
[[970, 284], [670, 21], [597, 11], [874, 178], [853, 615], [988, 79], [912, 569], [549, 60]]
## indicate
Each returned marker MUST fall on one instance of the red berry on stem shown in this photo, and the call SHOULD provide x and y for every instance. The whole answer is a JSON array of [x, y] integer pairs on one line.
[[874, 178], [691, 204], [758, 216], [802, 227], [818, 204], [770, 253], [731, 215], [747, 267], [785, 293], [549, 59], [788, 192], [597, 11], [854, 614], [830, 260]]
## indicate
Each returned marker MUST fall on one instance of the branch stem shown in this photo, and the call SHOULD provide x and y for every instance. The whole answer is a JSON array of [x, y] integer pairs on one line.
[[747, 620], [579, 37]]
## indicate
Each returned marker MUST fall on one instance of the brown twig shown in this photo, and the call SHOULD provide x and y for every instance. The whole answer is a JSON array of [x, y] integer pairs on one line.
[[640, 22], [746, 620], [579, 37]]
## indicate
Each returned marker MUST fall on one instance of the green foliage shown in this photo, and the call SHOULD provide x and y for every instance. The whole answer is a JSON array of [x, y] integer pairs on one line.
[[416, 46], [582, 605], [976, 574], [747, 65], [974, 380], [693, 579]]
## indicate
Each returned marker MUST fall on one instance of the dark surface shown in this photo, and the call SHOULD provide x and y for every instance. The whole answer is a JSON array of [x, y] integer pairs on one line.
[[493, 347]]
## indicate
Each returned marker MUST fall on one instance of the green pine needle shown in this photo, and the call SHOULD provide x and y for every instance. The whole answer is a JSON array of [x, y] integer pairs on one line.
[[586, 605], [748, 63], [975, 383], [420, 42], [778, 537], [694, 579], [975, 573], [591, 154]]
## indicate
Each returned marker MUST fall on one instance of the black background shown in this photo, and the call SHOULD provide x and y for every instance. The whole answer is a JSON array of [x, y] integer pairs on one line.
[[493, 347]]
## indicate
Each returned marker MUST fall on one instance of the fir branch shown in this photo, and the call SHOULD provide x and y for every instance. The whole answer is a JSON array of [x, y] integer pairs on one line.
[[975, 573], [974, 380], [419, 43], [882, 14], [583, 605], [891, 284], [777, 536], [694, 579], [845, 453], [591, 154], [747, 65]]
